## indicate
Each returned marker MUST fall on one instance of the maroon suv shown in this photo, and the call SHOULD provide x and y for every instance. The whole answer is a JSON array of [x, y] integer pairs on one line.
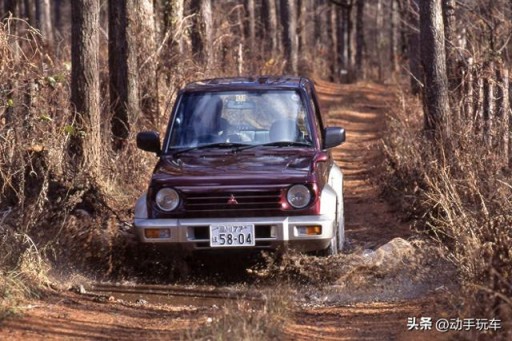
[[245, 164]]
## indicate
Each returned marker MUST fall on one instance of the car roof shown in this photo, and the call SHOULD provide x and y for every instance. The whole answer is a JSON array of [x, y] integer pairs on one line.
[[260, 82]]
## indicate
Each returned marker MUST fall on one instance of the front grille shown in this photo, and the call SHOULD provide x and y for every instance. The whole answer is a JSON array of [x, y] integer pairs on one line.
[[232, 201]]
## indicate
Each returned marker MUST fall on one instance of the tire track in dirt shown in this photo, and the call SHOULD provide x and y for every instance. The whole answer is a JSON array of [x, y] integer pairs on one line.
[[361, 109], [370, 221]]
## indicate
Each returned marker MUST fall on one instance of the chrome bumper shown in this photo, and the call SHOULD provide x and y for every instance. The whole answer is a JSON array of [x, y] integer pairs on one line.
[[271, 232]]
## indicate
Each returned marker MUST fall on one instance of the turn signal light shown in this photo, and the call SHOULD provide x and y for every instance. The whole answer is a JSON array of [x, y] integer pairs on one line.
[[313, 230], [157, 233]]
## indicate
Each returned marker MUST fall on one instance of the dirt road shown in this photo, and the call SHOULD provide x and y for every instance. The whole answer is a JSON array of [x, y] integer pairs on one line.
[[365, 304]]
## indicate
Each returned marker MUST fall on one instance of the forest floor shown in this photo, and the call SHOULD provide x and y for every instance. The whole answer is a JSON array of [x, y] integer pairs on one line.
[[370, 299]]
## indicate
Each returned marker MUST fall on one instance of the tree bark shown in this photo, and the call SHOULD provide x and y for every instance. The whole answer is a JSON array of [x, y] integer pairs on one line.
[[85, 82], [360, 44], [272, 30], [123, 70], [57, 17], [44, 21], [449, 21], [28, 12], [434, 65], [289, 34], [414, 47], [345, 41], [393, 37], [488, 102], [174, 27], [467, 91], [503, 109], [202, 32], [478, 101], [341, 32], [306, 38], [147, 60], [251, 14], [336, 41], [10, 8]]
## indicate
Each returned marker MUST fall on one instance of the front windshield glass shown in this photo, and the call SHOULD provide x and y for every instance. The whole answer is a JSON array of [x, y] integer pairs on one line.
[[240, 117]]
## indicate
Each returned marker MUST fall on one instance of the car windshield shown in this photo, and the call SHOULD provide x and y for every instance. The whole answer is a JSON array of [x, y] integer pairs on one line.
[[238, 118]]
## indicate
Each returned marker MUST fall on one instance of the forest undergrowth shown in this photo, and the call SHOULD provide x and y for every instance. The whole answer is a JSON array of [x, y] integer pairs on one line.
[[58, 217], [52, 212], [458, 191]]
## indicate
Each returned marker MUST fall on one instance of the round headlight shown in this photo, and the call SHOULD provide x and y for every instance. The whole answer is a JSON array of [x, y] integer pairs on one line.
[[167, 199], [298, 196]]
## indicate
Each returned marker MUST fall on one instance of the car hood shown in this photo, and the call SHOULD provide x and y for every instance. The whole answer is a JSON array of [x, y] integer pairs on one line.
[[244, 167]]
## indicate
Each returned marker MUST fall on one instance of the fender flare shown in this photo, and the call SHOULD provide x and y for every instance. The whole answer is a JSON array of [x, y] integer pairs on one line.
[[141, 208]]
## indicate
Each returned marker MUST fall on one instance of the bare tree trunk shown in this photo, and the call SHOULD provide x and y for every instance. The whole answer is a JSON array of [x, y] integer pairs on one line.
[[449, 21], [10, 8], [380, 38], [306, 38], [488, 102], [44, 21], [467, 91], [434, 65], [307, 25], [28, 12], [349, 41], [503, 109], [202, 32], [241, 44], [57, 17], [289, 34], [174, 28], [346, 40], [252, 30], [393, 36], [272, 28], [478, 102], [207, 17], [340, 47], [414, 47], [403, 11], [334, 41], [85, 82], [123, 70], [147, 60], [359, 70]]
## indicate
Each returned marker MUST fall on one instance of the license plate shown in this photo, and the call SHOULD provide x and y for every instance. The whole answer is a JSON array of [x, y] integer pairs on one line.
[[227, 235]]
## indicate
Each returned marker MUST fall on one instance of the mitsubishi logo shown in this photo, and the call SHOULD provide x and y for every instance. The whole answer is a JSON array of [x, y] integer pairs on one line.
[[232, 200]]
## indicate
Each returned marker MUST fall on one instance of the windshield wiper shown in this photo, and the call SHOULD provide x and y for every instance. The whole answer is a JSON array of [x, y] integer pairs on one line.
[[212, 145], [276, 144]]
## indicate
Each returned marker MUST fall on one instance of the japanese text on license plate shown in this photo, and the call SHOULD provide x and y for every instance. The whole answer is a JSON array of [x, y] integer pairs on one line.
[[226, 235]]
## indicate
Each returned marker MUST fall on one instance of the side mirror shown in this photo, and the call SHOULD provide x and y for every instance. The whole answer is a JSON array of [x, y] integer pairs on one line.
[[333, 137], [149, 141]]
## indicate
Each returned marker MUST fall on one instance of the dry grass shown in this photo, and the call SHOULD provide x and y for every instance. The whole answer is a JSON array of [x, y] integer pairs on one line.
[[247, 320], [23, 272], [461, 193]]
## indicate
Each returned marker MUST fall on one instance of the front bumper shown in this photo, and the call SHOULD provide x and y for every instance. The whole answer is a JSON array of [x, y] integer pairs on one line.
[[271, 232]]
